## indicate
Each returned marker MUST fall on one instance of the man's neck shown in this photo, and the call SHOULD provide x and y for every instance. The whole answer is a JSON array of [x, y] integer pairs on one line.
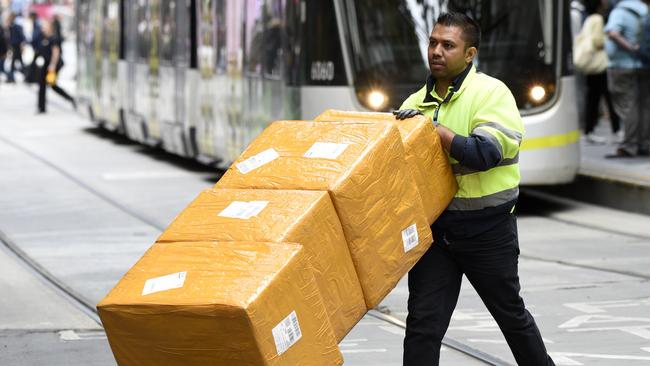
[[442, 87]]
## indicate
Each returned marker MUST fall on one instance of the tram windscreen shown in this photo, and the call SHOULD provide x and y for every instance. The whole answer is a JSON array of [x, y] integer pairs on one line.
[[389, 40]]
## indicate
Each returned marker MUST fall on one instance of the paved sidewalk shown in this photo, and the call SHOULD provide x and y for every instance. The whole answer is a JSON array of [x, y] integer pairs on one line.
[[633, 171]]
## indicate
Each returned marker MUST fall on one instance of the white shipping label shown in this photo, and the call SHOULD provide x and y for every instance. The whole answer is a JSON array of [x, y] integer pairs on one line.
[[168, 282], [287, 333], [243, 210], [257, 161], [326, 150], [410, 237]]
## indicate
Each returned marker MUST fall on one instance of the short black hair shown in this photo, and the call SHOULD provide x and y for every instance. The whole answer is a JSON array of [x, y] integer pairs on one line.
[[471, 29]]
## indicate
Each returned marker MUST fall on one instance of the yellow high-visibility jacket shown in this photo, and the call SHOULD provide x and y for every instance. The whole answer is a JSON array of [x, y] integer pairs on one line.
[[485, 152]]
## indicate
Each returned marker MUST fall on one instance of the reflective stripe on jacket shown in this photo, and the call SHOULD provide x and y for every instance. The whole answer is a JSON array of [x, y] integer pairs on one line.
[[481, 111]]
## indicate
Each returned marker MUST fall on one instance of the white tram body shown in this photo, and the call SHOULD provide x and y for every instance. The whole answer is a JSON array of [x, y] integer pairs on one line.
[[201, 78]]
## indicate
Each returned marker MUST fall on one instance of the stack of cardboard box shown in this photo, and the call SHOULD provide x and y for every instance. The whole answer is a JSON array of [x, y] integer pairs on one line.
[[220, 285]]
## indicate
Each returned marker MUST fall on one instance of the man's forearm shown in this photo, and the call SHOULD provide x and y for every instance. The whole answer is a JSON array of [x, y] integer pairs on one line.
[[621, 41]]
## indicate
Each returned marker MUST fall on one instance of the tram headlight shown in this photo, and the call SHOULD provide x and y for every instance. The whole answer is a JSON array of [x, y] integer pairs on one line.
[[537, 93], [377, 100]]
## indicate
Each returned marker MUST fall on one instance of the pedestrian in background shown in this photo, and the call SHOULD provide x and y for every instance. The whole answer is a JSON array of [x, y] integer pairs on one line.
[[480, 127], [50, 51], [16, 42], [625, 74], [4, 47], [591, 58], [31, 76]]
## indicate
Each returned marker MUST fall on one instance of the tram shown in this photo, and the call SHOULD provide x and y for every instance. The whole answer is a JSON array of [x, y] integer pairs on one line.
[[201, 78]]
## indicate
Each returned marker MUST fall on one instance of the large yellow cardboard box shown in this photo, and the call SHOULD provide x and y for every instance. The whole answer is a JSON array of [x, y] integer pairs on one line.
[[305, 217], [424, 154], [224, 304], [362, 166]]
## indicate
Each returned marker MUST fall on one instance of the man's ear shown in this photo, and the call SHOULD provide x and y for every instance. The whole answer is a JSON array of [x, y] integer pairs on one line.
[[470, 53]]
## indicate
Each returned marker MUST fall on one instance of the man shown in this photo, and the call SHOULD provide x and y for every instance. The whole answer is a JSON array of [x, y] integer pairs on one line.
[[50, 50], [17, 42], [3, 48], [480, 126], [625, 76], [37, 34]]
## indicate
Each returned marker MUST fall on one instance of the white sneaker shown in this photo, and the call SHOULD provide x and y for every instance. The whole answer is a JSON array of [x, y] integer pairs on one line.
[[595, 139]]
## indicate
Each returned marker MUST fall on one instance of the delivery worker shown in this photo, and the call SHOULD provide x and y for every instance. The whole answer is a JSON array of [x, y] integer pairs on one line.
[[481, 129]]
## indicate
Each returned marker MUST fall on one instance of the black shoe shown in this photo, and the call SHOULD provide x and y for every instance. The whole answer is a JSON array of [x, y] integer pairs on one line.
[[643, 152]]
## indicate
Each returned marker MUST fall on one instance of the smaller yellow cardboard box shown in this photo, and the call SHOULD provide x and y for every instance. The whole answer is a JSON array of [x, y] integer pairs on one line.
[[304, 217], [424, 155], [224, 304], [362, 166]]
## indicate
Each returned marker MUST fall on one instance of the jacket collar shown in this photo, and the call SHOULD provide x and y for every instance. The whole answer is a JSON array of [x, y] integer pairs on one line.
[[456, 87]]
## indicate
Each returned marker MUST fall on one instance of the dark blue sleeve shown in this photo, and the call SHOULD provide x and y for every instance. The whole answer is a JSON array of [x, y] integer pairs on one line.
[[475, 152]]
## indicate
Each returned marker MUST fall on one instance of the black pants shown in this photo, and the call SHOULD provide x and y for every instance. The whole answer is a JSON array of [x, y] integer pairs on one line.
[[42, 85], [596, 89], [16, 57], [490, 265]]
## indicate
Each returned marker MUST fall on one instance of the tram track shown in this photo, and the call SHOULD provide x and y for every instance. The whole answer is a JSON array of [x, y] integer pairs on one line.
[[88, 307]]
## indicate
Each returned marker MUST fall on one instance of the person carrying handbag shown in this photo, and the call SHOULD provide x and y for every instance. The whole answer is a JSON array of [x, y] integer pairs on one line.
[[591, 59]]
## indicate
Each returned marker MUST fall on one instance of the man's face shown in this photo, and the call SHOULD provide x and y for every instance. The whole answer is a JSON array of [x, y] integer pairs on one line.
[[447, 54]]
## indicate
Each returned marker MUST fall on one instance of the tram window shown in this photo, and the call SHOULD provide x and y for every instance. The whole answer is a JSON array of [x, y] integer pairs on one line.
[[322, 46], [193, 42], [111, 27], [142, 29], [253, 36], [122, 30], [167, 31], [106, 26], [206, 37], [221, 26], [274, 37]]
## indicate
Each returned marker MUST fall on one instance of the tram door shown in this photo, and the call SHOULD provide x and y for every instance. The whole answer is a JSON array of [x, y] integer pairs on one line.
[[171, 80], [182, 58], [84, 54]]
